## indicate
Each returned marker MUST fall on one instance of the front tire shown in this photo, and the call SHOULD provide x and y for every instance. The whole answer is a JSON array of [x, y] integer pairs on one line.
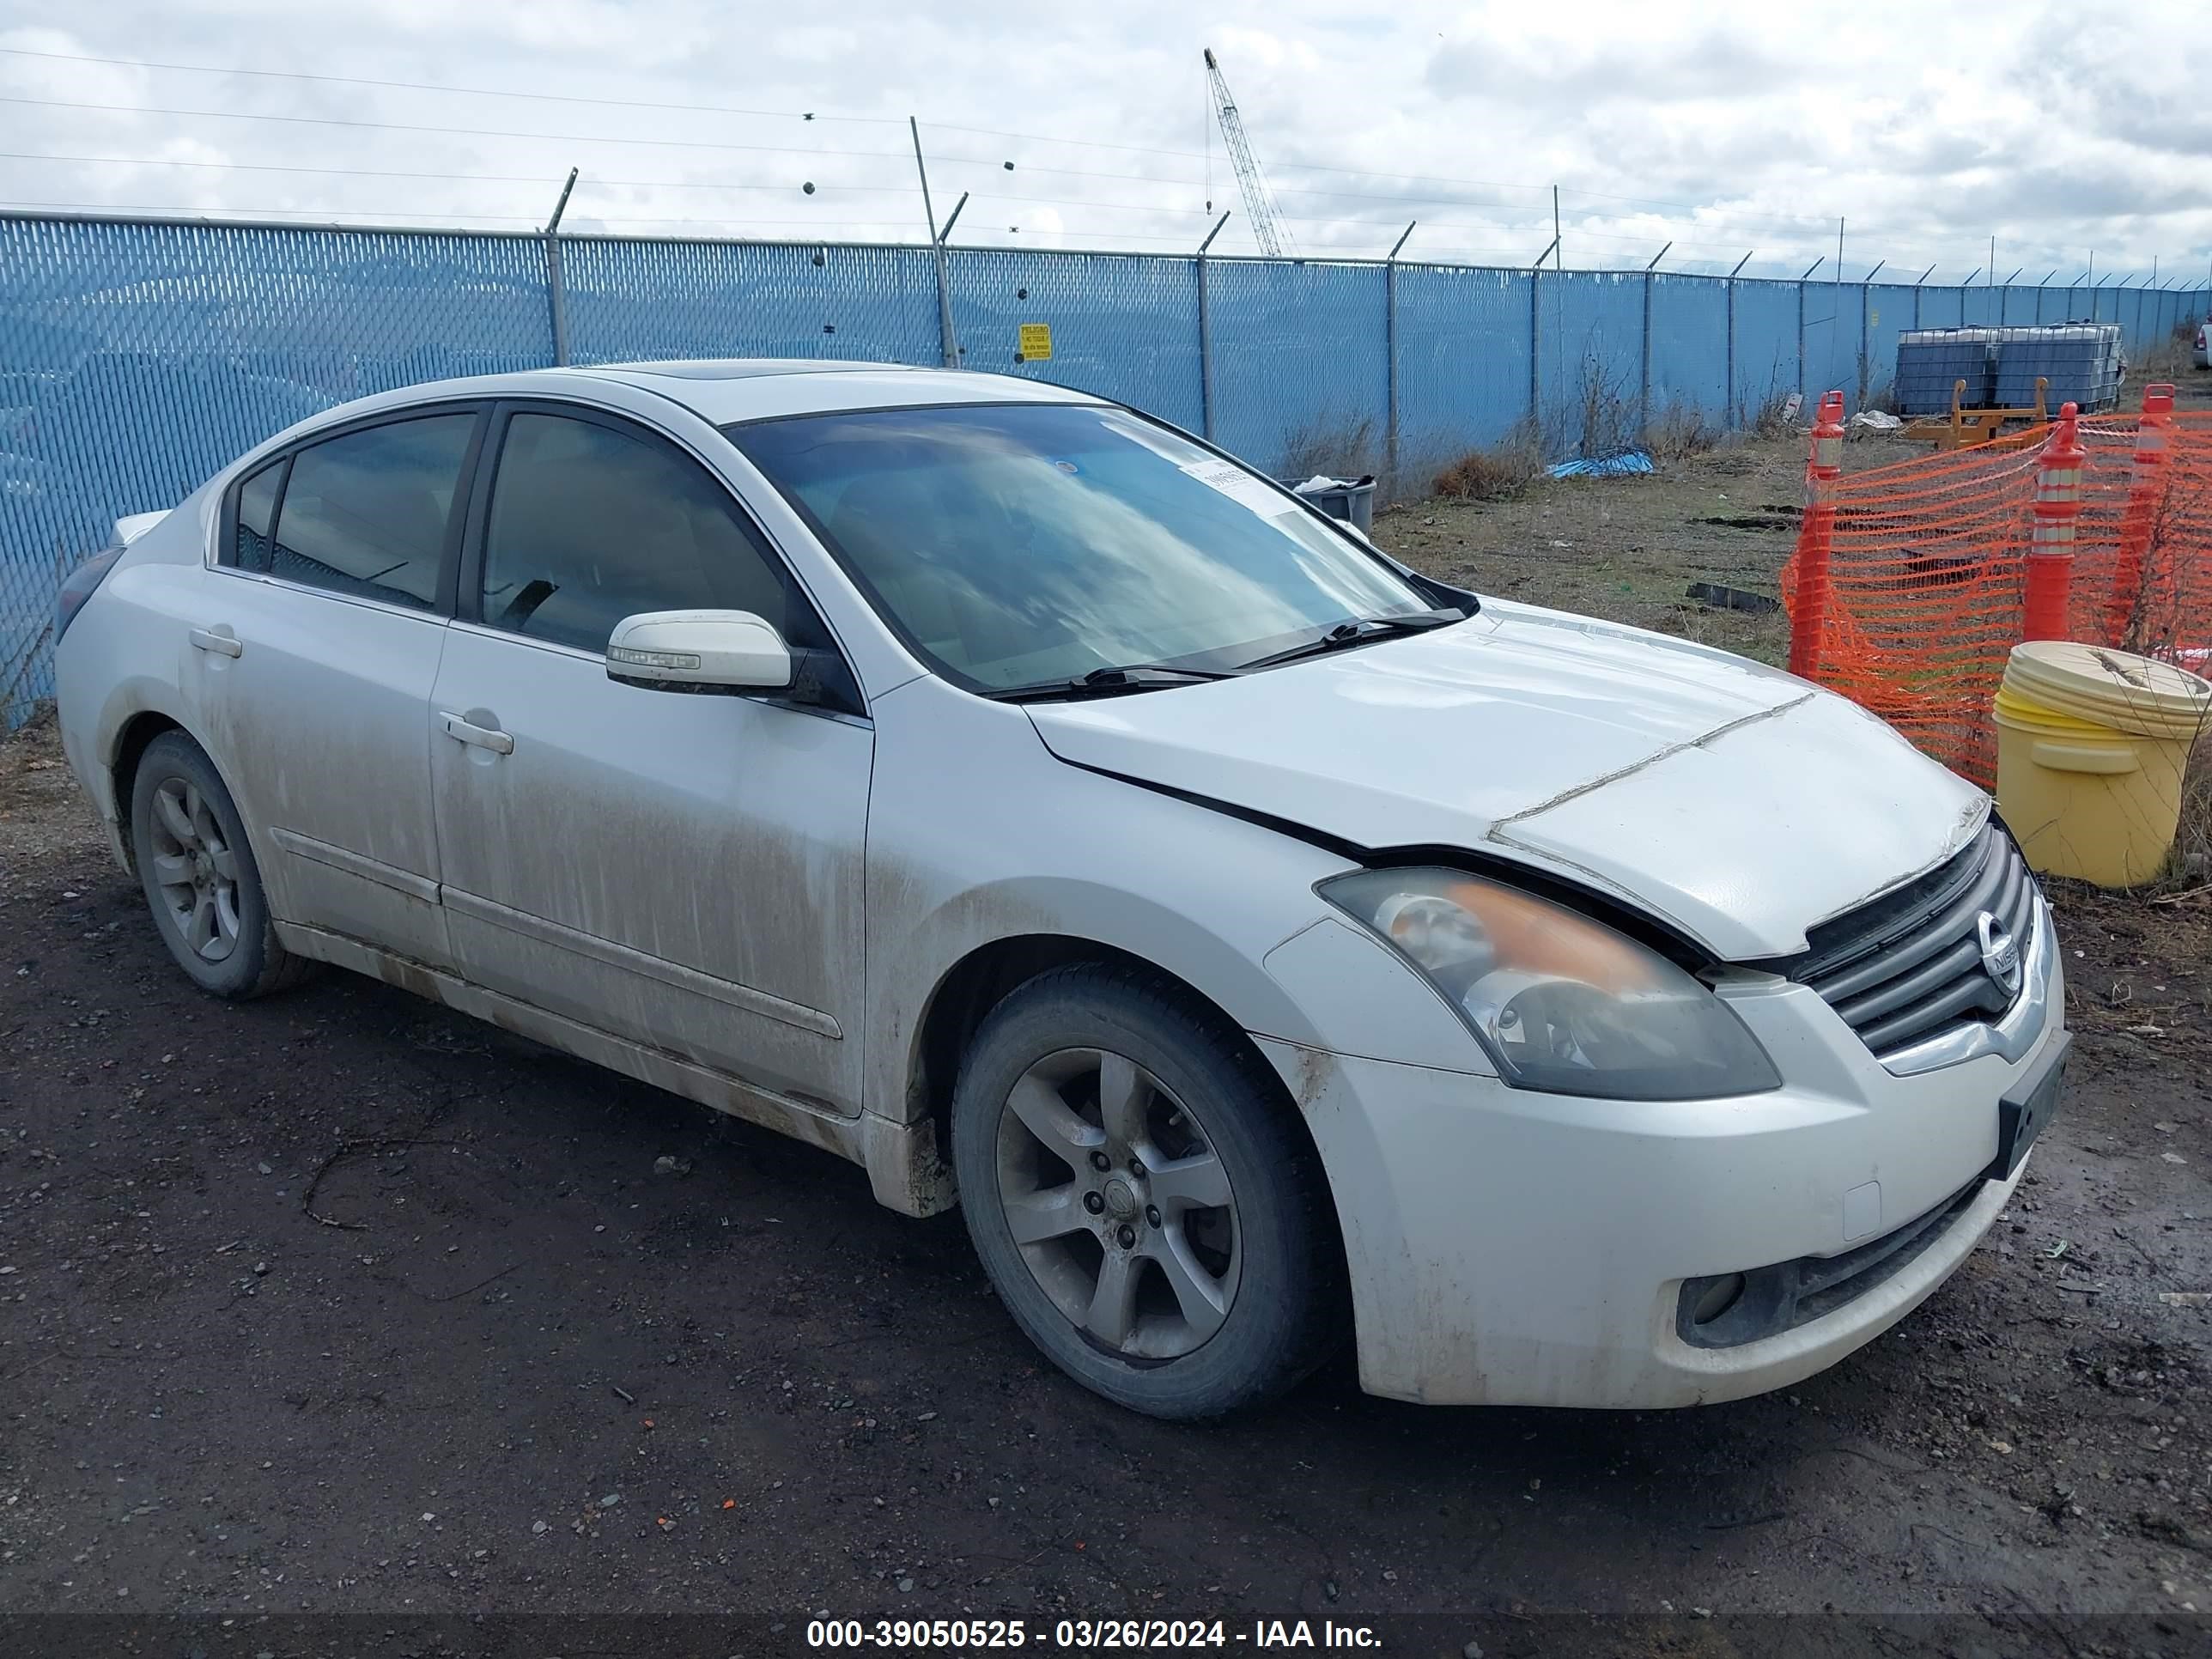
[[1140, 1197], [199, 875]]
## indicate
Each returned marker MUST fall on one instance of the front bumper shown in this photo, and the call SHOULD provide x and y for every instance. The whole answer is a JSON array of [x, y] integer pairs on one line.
[[1512, 1248]]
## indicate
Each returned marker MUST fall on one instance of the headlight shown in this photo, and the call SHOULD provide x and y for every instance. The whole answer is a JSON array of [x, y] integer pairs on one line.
[[1563, 1003]]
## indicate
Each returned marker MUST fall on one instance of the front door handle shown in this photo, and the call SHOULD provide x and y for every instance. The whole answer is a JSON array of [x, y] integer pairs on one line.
[[462, 730], [219, 640]]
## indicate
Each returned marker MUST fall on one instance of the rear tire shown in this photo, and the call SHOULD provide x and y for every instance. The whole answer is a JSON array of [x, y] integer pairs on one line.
[[199, 875], [1141, 1198]]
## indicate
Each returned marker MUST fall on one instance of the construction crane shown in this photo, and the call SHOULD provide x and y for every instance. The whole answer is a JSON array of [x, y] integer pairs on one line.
[[1267, 227]]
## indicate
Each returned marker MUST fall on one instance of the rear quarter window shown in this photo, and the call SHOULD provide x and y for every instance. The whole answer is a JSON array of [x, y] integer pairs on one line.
[[257, 518]]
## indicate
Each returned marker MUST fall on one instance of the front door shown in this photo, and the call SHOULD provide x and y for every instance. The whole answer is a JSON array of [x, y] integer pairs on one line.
[[681, 869]]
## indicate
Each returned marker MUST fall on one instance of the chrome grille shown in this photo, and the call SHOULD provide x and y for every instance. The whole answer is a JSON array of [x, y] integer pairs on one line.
[[1908, 966]]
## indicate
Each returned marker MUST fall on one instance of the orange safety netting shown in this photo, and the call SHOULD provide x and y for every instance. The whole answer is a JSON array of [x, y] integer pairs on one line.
[[1928, 573]]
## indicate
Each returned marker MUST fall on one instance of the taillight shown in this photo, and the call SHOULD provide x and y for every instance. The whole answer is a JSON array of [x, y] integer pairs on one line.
[[79, 586]]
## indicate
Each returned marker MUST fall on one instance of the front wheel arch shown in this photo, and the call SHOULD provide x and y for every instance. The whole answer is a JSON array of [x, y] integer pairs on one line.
[[976, 984], [978, 981]]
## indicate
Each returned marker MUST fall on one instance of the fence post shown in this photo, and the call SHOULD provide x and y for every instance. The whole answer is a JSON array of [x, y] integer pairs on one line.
[[1205, 357], [2050, 551], [556, 296], [1206, 335], [2139, 522], [1824, 464], [948, 343], [1390, 358], [1727, 352], [556, 299], [1643, 383], [1801, 334], [1866, 341], [1535, 350], [1730, 403]]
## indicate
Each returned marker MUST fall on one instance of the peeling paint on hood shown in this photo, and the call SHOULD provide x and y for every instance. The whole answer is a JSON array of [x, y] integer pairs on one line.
[[1733, 801]]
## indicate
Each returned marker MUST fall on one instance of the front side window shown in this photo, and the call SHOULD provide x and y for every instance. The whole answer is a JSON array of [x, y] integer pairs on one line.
[[1025, 543], [589, 525], [366, 513]]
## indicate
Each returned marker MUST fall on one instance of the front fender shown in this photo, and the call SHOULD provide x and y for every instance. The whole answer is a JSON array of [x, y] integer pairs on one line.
[[923, 922], [977, 833]]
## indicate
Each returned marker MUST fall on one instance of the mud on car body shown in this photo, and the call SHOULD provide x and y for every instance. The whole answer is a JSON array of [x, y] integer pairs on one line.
[[1259, 941]]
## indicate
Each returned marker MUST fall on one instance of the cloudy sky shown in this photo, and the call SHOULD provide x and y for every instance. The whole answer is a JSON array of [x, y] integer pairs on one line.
[[2066, 131]]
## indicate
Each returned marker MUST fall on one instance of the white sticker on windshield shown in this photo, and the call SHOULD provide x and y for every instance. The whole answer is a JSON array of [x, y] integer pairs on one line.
[[1241, 487]]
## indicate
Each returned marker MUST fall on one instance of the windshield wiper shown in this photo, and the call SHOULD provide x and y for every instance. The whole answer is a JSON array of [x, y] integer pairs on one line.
[[1111, 681], [1360, 630]]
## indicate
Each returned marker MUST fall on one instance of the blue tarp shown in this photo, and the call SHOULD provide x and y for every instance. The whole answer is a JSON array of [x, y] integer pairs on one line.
[[1629, 464]]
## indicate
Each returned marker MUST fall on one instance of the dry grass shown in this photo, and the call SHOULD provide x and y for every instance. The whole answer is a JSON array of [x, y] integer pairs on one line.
[[2192, 846], [1496, 474], [1679, 431], [2169, 360], [1338, 444], [1598, 418], [1773, 419]]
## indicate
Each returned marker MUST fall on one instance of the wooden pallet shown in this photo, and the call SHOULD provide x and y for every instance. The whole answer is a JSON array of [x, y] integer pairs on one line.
[[1974, 426]]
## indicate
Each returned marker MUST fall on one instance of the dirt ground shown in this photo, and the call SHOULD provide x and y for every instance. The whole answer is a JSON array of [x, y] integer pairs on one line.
[[340, 1323]]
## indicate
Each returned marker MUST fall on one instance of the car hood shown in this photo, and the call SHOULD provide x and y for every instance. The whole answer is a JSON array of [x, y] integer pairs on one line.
[[1736, 803]]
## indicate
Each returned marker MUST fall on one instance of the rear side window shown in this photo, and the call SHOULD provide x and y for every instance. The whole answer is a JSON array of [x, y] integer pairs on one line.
[[257, 518], [366, 513], [589, 525]]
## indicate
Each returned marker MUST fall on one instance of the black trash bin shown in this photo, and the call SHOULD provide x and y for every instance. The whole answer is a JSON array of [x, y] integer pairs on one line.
[[1349, 500]]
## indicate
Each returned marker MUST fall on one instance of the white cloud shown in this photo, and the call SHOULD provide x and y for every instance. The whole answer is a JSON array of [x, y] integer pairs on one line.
[[1725, 128]]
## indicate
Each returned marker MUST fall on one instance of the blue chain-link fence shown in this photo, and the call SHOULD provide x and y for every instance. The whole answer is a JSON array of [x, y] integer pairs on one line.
[[137, 358]]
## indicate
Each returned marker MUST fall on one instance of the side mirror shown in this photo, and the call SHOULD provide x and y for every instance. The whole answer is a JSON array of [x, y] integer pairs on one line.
[[693, 650]]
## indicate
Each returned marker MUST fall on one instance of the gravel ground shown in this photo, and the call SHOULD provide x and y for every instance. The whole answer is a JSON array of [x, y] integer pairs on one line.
[[337, 1322]]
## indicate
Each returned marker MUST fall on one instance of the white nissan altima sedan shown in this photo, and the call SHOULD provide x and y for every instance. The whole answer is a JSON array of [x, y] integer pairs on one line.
[[1258, 940]]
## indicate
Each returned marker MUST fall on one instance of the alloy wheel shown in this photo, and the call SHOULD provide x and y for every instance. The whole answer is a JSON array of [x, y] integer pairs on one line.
[[1121, 1208], [195, 870]]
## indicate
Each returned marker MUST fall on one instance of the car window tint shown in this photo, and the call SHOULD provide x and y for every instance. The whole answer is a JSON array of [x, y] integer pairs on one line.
[[589, 525], [366, 513], [256, 511]]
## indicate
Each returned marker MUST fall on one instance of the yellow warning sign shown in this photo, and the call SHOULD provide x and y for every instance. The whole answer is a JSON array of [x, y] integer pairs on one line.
[[1036, 343]]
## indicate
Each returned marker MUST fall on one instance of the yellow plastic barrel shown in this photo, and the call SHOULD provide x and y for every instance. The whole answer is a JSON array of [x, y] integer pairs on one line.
[[2092, 744]]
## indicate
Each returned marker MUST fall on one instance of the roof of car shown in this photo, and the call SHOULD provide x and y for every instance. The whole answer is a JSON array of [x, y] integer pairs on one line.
[[727, 389], [742, 368], [723, 390]]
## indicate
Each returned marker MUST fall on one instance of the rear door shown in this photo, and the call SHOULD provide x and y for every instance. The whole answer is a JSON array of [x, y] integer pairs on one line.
[[310, 668], [682, 870]]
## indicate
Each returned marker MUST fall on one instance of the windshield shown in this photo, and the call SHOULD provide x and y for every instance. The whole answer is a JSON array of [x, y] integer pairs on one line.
[[1020, 544]]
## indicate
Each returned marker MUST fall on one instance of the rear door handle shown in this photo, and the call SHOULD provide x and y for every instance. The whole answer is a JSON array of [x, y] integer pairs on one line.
[[484, 737], [221, 641]]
